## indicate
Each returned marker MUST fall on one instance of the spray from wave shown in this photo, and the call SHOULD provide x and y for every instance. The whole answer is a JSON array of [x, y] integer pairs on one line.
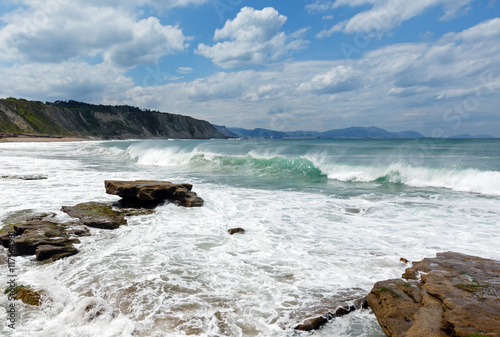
[[272, 163]]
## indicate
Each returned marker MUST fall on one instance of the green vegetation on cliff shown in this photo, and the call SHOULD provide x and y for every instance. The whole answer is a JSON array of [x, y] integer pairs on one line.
[[72, 118]]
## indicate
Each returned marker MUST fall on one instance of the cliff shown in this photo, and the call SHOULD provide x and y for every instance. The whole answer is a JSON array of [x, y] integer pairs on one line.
[[99, 121]]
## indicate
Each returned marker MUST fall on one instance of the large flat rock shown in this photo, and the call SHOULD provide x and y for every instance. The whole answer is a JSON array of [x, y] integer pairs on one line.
[[102, 215], [450, 295], [150, 193]]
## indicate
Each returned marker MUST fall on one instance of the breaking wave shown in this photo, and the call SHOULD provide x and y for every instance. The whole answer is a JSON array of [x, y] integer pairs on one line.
[[312, 165]]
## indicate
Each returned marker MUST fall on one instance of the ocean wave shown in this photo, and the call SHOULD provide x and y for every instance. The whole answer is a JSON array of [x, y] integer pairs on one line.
[[464, 180], [271, 163]]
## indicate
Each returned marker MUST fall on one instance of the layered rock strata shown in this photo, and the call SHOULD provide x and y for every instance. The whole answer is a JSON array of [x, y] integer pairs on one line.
[[150, 193], [450, 295]]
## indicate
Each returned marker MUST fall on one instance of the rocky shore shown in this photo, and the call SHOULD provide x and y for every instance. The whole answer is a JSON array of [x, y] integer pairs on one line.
[[48, 239], [452, 295]]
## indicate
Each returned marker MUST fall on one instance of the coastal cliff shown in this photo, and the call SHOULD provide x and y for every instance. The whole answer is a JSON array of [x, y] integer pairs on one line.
[[70, 119]]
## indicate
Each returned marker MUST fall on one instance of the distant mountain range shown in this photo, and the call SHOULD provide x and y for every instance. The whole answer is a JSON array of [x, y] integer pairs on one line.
[[467, 136], [352, 132]]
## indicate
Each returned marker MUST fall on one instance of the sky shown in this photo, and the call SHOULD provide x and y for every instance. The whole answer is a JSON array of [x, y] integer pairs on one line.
[[431, 66]]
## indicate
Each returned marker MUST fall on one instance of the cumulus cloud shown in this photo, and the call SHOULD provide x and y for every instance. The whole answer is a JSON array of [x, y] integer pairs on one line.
[[54, 34], [252, 38], [384, 15], [65, 80], [425, 80], [339, 79]]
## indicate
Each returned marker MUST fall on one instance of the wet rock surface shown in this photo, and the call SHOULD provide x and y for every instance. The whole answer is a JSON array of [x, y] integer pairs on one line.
[[233, 231], [329, 308], [151, 193], [25, 177], [47, 239], [102, 215], [450, 295], [26, 294]]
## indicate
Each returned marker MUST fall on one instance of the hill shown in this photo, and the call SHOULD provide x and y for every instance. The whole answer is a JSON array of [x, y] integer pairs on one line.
[[79, 119], [352, 132], [467, 136]]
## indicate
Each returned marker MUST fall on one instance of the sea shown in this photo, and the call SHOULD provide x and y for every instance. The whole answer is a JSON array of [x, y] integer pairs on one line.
[[324, 220]]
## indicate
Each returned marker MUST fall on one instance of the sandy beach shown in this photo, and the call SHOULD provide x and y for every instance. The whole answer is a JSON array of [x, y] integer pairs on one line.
[[43, 139]]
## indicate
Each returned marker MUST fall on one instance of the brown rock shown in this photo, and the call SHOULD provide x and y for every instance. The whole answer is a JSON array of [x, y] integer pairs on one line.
[[96, 214], [312, 323], [25, 294], [102, 215], [315, 323], [457, 295], [51, 253], [236, 230], [150, 193], [26, 238]]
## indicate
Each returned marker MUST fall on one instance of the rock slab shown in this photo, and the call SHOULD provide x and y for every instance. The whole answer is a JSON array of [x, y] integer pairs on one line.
[[452, 294], [48, 240], [102, 215], [150, 193]]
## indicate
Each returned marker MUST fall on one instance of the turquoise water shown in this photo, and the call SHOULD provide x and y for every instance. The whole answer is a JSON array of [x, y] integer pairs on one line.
[[324, 220], [381, 165]]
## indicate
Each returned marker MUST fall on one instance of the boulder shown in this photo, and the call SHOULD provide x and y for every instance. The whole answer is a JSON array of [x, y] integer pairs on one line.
[[102, 215], [151, 193], [51, 253], [450, 295], [236, 230], [35, 236], [24, 238]]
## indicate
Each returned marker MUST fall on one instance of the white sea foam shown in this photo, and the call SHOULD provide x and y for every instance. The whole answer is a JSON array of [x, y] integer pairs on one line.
[[178, 272], [465, 180], [273, 160]]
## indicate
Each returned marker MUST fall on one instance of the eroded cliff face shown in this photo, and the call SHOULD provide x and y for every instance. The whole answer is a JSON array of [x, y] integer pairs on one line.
[[100, 121]]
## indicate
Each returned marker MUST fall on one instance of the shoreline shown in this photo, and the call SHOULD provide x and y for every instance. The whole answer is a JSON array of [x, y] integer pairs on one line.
[[36, 138]]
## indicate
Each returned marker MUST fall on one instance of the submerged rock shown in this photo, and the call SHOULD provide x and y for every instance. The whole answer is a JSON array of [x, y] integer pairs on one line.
[[26, 177], [456, 295], [102, 215], [151, 193], [25, 294], [339, 307]]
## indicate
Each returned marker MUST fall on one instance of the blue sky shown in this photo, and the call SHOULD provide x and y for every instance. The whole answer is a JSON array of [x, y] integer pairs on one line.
[[432, 65]]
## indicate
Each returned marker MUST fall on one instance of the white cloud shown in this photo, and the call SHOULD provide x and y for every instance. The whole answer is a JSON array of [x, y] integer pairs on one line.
[[66, 80], [252, 38], [319, 6], [422, 79], [150, 41], [387, 14], [338, 79], [403, 86], [184, 70], [63, 31]]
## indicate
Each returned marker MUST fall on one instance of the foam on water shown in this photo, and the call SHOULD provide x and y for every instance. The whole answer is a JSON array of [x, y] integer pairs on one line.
[[178, 272], [263, 161]]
